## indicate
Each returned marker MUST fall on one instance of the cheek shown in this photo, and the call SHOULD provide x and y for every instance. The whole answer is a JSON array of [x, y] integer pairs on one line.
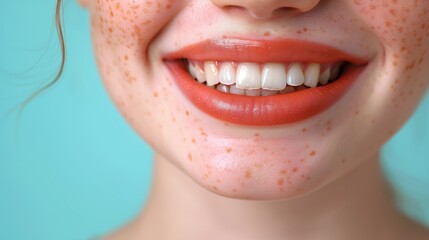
[[403, 29], [122, 31], [131, 23]]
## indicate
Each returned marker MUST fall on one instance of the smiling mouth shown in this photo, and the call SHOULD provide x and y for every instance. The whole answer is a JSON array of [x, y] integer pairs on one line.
[[263, 83]]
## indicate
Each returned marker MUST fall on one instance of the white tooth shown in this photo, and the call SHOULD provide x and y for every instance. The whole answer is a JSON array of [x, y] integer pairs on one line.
[[312, 75], [211, 72], [274, 76], [192, 70], [324, 77], [269, 92], [253, 92], [288, 89], [335, 72], [237, 91], [248, 76], [295, 76], [227, 74], [199, 74], [222, 88]]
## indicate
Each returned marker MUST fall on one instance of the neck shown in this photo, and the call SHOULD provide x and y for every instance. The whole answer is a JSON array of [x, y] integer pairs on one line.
[[355, 205]]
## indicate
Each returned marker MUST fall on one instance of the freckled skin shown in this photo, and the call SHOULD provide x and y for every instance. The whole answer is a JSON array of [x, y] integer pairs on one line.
[[130, 37]]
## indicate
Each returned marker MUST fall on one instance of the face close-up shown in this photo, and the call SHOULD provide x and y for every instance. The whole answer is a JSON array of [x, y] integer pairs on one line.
[[263, 99]]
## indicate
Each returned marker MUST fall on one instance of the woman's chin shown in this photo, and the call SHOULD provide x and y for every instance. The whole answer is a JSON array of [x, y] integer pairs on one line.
[[247, 173]]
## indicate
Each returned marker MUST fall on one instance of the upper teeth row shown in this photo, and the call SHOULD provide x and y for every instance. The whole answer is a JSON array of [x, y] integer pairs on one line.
[[270, 76]]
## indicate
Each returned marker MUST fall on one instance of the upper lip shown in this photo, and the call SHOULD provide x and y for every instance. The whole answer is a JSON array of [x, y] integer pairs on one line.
[[262, 51]]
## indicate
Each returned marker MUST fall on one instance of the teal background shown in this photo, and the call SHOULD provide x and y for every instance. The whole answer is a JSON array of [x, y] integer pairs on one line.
[[71, 168]]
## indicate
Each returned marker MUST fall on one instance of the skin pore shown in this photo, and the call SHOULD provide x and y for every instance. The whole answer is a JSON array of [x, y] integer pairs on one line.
[[323, 171]]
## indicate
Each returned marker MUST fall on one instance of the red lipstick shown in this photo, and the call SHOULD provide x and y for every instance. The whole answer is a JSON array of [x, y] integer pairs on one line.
[[265, 110]]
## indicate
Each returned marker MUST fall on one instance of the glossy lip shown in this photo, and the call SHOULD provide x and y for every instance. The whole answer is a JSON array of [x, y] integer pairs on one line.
[[265, 110]]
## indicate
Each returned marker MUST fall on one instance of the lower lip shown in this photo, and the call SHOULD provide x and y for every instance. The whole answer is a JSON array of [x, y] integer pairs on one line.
[[274, 110]]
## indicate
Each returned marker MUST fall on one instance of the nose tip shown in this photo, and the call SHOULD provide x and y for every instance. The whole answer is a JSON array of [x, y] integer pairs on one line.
[[263, 9]]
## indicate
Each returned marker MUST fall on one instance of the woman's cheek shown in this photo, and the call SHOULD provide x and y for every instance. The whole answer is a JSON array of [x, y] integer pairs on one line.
[[122, 31], [131, 23], [402, 27]]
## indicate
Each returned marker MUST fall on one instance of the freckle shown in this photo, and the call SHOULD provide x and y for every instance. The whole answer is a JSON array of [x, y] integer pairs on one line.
[[202, 132], [266, 34], [155, 94], [258, 166], [193, 140], [190, 157], [343, 161], [388, 23], [302, 160], [248, 174], [228, 150], [295, 169], [280, 182], [214, 188], [313, 153], [187, 113], [256, 135]]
